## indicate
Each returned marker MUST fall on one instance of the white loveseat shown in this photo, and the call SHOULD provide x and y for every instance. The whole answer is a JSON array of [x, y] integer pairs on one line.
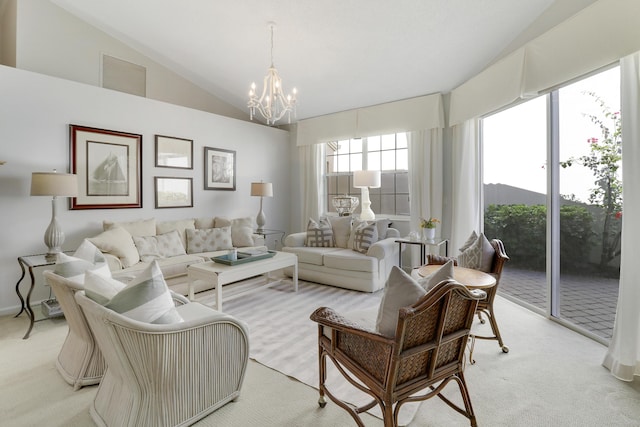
[[130, 247], [340, 264]]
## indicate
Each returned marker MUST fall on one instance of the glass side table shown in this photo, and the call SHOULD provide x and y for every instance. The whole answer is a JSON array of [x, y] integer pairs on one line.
[[29, 262], [267, 232], [435, 243]]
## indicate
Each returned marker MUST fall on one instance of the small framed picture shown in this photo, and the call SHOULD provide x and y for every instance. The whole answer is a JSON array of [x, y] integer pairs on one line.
[[174, 152], [109, 167], [219, 169], [173, 192]]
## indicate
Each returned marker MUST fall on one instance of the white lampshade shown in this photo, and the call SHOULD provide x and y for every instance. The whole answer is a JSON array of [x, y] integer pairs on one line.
[[54, 184], [369, 179], [262, 189]]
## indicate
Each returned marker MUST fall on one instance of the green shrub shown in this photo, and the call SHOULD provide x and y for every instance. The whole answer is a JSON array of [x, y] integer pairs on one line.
[[523, 230]]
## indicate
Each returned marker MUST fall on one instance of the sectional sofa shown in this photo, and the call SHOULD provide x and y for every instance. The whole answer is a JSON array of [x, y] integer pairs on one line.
[[131, 246]]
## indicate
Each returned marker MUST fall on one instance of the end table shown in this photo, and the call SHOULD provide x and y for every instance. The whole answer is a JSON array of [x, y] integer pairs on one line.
[[265, 232], [30, 262]]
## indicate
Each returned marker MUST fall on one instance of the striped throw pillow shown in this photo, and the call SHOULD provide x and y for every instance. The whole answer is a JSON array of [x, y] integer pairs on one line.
[[146, 298], [86, 257], [365, 235], [101, 289], [319, 234]]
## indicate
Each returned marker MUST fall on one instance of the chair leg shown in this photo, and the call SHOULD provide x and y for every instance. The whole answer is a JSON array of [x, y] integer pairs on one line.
[[322, 375], [462, 384], [496, 330]]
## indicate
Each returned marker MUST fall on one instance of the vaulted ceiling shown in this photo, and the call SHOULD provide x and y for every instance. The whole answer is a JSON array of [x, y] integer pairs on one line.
[[339, 54]]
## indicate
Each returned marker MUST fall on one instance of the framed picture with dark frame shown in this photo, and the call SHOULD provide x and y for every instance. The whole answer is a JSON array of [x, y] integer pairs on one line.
[[109, 168], [219, 169], [172, 152], [173, 192]]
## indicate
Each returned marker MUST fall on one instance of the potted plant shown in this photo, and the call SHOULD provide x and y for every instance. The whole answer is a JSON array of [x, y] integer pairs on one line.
[[428, 227]]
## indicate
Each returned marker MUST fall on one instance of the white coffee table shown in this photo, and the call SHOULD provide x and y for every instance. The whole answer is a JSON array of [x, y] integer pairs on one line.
[[221, 274]]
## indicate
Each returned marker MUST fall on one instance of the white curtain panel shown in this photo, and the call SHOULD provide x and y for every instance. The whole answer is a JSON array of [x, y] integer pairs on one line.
[[623, 355], [311, 159], [425, 179], [466, 201]]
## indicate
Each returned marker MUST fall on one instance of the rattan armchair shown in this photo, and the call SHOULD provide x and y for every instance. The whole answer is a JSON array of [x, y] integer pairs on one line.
[[486, 306], [80, 361], [426, 353], [166, 374]]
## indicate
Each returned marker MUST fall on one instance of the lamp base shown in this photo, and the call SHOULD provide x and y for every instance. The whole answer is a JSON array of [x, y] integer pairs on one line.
[[366, 213], [261, 219]]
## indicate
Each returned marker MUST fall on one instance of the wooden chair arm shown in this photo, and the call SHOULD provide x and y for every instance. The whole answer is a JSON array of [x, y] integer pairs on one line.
[[433, 259], [326, 316]]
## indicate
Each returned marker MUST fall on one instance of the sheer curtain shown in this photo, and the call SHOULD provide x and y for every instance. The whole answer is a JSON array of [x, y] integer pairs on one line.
[[623, 355], [311, 173], [425, 178], [466, 203]]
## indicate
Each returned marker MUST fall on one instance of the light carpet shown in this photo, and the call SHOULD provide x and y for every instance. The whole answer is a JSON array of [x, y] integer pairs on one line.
[[283, 337]]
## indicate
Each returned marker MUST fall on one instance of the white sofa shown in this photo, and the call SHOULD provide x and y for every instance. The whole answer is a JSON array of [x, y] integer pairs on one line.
[[131, 246], [342, 266]]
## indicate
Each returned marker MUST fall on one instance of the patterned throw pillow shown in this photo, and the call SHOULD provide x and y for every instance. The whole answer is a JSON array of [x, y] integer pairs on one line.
[[319, 234], [241, 230], [146, 298], [364, 235], [399, 291], [470, 240], [478, 256], [86, 257], [101, 289], [208, 240], [158, 247]]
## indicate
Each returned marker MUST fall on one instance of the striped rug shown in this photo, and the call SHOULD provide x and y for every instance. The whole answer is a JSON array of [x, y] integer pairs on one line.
[[283, 337]]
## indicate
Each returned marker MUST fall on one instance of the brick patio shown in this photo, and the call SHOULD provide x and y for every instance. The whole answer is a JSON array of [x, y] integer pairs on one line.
[[587, 301]]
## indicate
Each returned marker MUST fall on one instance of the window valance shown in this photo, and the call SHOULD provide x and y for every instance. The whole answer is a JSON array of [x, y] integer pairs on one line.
[[424, 112], [595, 37]]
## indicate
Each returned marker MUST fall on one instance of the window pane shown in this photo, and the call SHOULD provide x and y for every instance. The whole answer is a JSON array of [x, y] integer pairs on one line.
[[389, 142], [402, 204], [373, 161], [402, 159], [343, 184], [387, 181], [332, 164], [332, 184], [373, 143], [388, 161], [343, 147], [343, 163], [401, 140], [356, 145], [356, 162], [402, 183], [387, 204]]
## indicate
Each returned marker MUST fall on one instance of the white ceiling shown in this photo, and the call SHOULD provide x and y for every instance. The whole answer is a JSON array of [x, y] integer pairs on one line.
[[339, 54]]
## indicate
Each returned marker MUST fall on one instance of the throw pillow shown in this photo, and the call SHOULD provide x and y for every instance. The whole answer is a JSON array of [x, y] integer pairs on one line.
[[204, 222], [443, 273], [161, 246], [146, 298], [341, 226], [142, 227], [101, 289], [241, 230], [364, 235], [180, 225], [400, 291], [118, 242], [479, 255], [87, 257], [319, 234], [470, 240], [211, 239], [383, 225]]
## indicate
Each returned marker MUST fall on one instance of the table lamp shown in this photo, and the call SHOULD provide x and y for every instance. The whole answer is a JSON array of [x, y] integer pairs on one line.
[[261, 189], [365, 180], [55, 185]]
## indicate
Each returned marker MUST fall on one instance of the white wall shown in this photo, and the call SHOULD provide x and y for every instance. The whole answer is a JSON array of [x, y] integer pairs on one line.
[[54, 42], [35, 113]]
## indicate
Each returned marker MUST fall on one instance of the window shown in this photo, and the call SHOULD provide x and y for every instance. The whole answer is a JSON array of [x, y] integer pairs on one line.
[[565, 148], [386, 153]]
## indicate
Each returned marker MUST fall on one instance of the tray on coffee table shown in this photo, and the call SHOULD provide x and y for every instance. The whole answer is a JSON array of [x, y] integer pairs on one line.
[[243, 257]]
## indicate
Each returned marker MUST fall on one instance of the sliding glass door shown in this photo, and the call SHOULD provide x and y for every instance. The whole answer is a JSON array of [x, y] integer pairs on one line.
[[553, 195]]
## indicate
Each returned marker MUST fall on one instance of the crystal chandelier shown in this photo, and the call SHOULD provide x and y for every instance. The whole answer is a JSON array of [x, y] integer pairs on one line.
[[272, 104]]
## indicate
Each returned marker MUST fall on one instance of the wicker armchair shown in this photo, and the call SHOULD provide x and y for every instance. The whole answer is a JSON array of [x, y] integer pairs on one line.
[[486, 306], [166, 374], [426, 353], [80, 361]]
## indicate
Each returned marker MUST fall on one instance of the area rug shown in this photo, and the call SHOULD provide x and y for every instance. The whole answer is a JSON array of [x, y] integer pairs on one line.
[[282, 336]]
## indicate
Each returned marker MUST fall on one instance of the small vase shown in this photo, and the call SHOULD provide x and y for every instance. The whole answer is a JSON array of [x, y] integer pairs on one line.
[[429, 233]]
